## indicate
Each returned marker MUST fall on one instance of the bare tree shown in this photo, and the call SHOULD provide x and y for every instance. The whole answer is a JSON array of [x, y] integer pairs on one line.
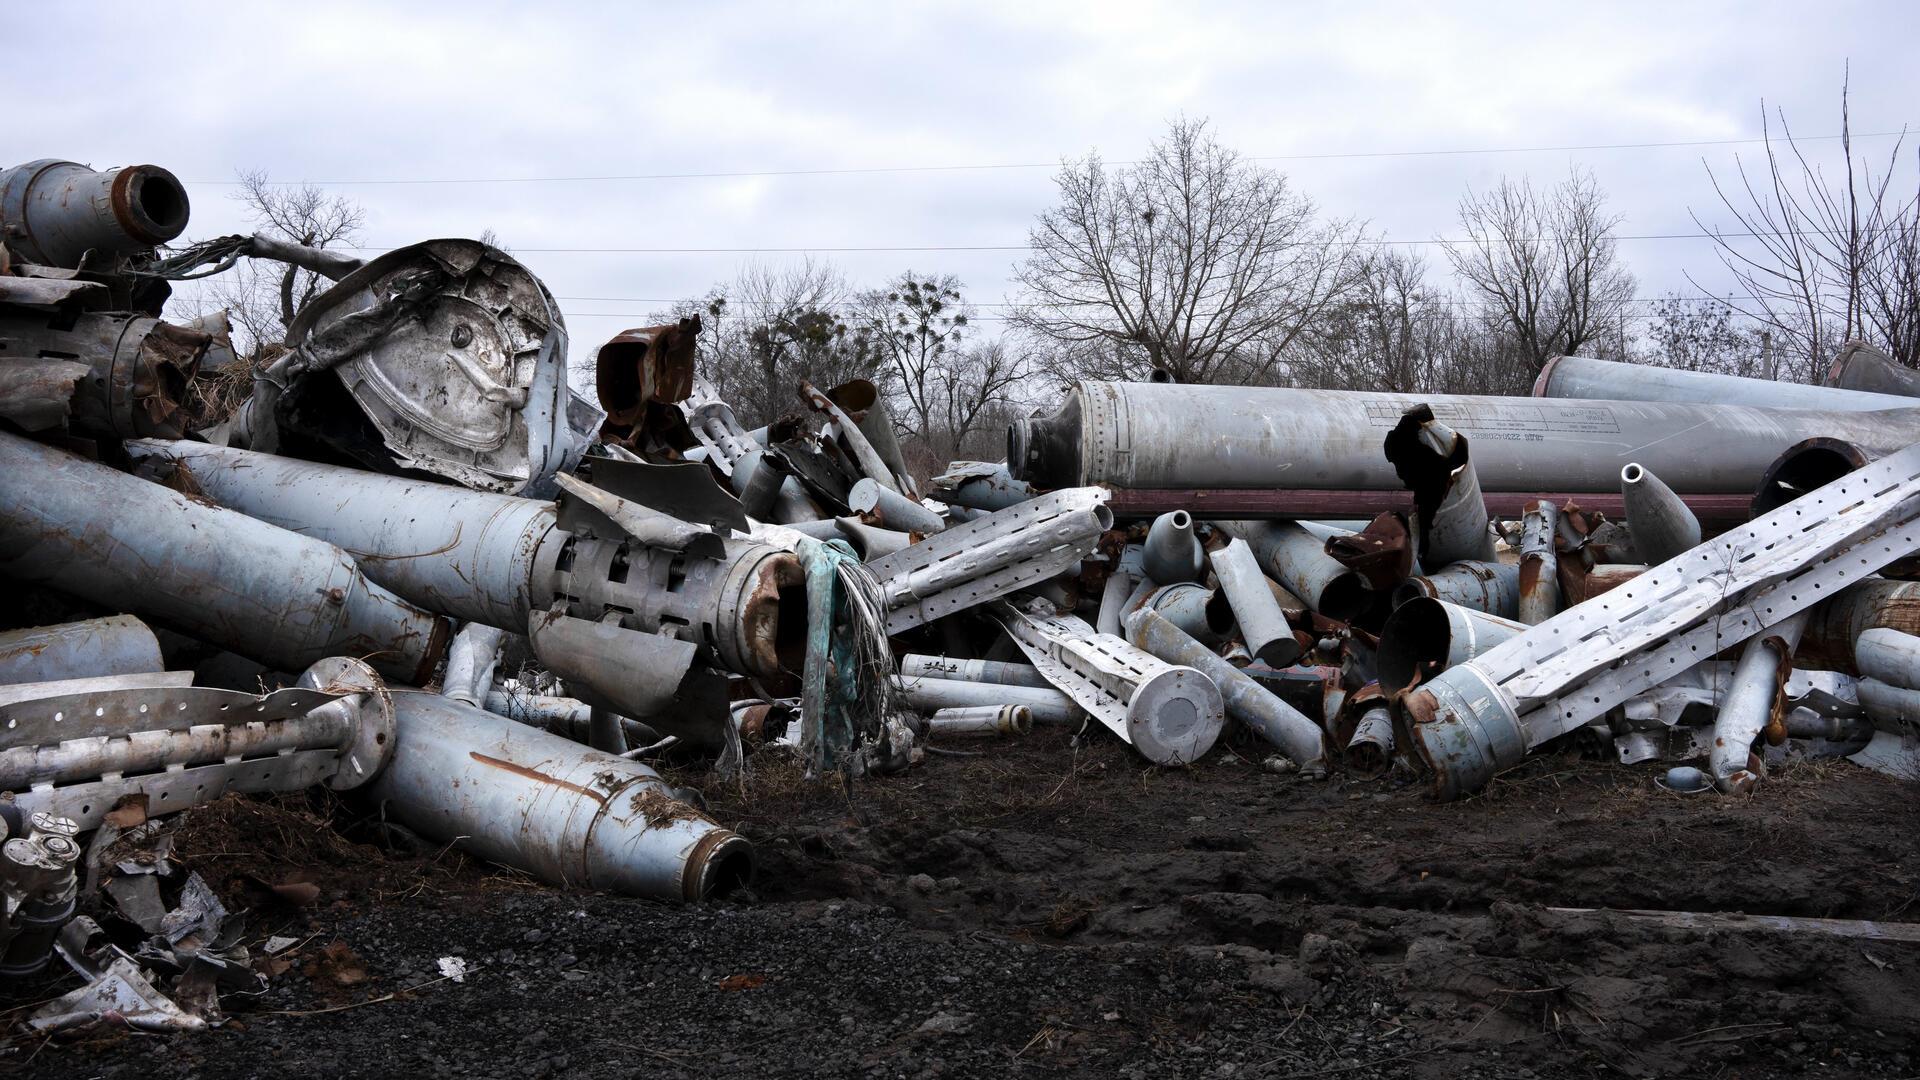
[[1545, 266], [1389, 332], [1705, 335], [263, 298], [1195, 260], [940, 386], [1823, 260], [775, 325]]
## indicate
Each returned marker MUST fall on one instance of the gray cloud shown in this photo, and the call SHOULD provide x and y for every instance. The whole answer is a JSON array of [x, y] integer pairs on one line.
[[336, 92]]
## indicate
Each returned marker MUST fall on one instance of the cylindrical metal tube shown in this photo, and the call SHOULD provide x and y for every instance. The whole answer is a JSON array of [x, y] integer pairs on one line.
[[560, 715], [115, 645], [563, 813], [470, 663], [1861, 367], [1539, 564], [982, 720], [1200, 613], [1838, 623], [1748, 703], [1002, 672], [1890, 656], [469, 554], [1263, 626], [268, 594], [1140, 435], [1254, 705], [931, 695], [869, 542], [1661, 525], [1609, 380], [1113, 601], [1892, 708], [762, 492], [55, 212], [1425, 636], [1370, 752], [1294, 556], [1490, 587], [888, 507]]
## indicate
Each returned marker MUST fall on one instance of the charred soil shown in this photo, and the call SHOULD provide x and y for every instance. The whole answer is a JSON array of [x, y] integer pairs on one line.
[[1052, 910]]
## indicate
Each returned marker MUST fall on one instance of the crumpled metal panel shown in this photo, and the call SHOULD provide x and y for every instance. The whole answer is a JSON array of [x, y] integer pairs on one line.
[[473, 387]]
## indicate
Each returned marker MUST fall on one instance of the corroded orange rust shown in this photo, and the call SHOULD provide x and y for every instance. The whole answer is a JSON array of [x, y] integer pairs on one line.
[[537, 776]]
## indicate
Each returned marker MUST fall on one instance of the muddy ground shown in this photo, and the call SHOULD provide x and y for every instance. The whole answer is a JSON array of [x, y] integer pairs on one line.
[[1049, 911]]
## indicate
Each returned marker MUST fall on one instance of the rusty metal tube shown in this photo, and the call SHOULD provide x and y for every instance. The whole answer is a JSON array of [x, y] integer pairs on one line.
[[1748, 703], [1661, 525], [1370, 752], [1425, 636], [921, 666], [1297, 736], [1141, 435], [1864, 368], [1297, 558], [1199, 612], [55, 212], [115, 645], [566, 814], [266, 593], [982, 720], [1490, 587], [1256, 611], [1539, 565], [1838, 623], [1609, 380]]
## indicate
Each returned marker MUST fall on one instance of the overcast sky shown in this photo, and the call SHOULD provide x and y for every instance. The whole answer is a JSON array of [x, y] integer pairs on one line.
[[476, 91]]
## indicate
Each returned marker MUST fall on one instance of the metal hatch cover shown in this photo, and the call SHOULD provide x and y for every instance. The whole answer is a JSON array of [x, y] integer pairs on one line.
[[471, 383]]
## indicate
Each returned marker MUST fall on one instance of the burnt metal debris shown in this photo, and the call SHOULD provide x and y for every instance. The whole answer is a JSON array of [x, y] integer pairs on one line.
[[415, 566]]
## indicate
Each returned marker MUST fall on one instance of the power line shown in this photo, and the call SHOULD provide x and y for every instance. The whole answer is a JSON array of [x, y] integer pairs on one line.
[[1010, 166], [883, 248], [851, 305]]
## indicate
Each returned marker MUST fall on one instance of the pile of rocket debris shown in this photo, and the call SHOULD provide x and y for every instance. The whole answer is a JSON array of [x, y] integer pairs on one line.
[[401, 558]]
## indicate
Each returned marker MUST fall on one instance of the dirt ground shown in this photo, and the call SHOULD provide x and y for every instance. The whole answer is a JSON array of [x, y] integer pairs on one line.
[[1050, 911]]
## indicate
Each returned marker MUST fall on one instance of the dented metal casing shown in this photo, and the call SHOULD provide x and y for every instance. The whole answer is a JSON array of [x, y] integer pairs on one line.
[[457, 356], [1170, 713], [267, 593], [55, 212], [134, 373], [1861, 367], [1296, 557], [524, 798], [1147, 435]]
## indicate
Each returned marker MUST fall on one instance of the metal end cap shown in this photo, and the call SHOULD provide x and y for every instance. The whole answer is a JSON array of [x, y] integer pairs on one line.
[[1175, 716]]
